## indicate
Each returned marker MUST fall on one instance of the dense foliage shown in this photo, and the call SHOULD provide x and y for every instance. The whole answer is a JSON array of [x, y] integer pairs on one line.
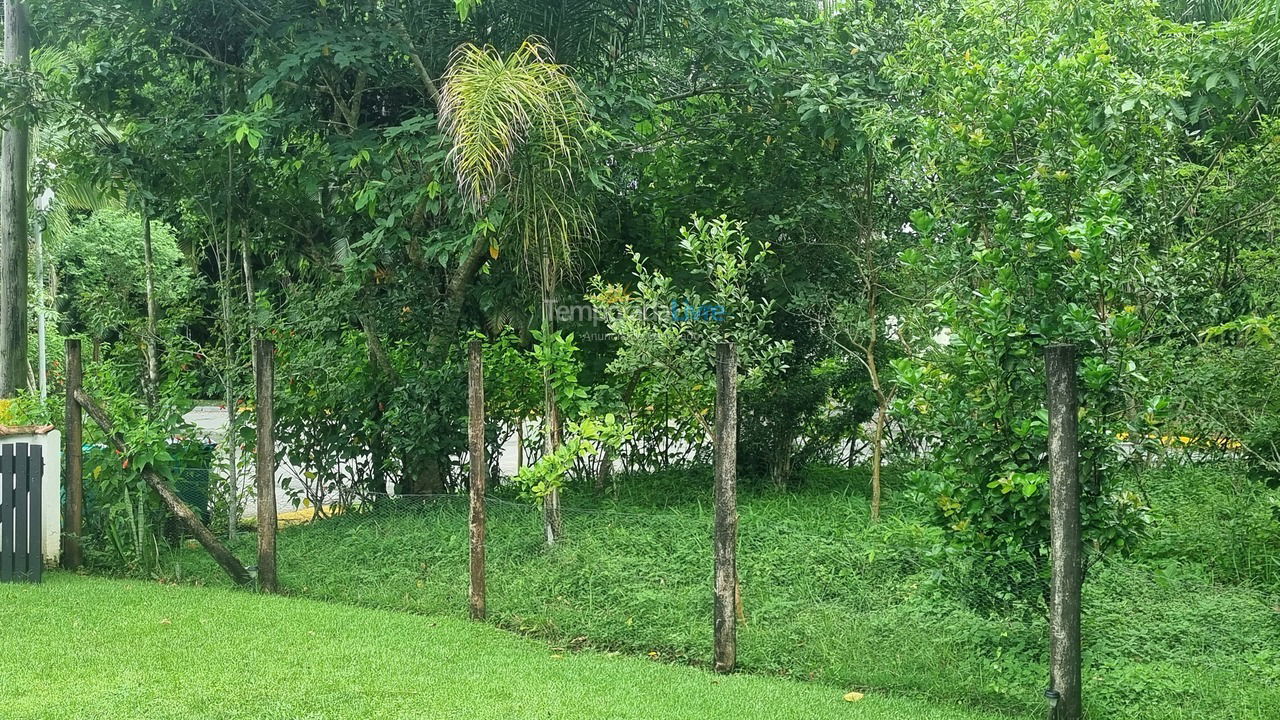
[[892, 208]]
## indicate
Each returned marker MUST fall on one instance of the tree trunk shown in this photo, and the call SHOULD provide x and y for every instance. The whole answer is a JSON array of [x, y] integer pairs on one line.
[[14, 167], [228, 387], [877, 453], [1064, 531], [456, 296], [553, 523], [873, 332], [780, 466], [475, 443], [727, 600], [519, 445], [72, 556], [427, 477], [153, 358], [42, 336], [881, 401], [605, 471], [250, 289]]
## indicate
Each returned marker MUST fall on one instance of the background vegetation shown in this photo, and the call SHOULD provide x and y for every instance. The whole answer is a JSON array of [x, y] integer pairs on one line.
[[891, 207]]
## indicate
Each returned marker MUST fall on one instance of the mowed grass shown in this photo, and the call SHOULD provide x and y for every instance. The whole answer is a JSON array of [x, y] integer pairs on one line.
[[78, 647]]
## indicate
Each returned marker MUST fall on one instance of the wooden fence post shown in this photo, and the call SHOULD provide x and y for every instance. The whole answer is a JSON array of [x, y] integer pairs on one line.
[[265, 368], [72, 555], [475, 444], [726, 508], [1064, 534]]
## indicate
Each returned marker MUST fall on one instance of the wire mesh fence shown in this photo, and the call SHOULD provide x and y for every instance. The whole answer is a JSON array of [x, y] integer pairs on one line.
[[827, 606], [194, 486], [824, 596]]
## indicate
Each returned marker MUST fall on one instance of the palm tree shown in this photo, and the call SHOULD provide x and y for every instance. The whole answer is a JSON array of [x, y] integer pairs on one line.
[[1255, 22], [517, 123]]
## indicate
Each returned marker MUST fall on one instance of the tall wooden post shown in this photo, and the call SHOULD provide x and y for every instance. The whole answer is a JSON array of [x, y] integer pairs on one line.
[[475, 444], [1064, 534], [264, 369], [15, 166], [72, 555], [726, 508], [153, 311]]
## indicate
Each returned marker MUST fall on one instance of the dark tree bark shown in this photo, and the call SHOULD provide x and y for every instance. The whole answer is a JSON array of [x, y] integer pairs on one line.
[[726, 508], [264, 403], [427, 475], [872, 278], [153, 313], [783, 450], [552, 520], [14, 166], [72, 555], [456, 297], [475, 441], [1064, 529]]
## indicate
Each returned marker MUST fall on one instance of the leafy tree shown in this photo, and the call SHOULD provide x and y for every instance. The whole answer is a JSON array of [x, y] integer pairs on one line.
[[1039, 143], [103, 281], [675, 328]]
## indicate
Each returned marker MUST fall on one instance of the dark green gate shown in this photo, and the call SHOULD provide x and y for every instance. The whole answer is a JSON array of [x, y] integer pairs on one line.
[[21, 470]]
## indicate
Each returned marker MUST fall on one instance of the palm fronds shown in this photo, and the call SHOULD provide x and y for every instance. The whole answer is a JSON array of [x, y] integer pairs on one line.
[[517, 124], [492, 105], [1258, 20]]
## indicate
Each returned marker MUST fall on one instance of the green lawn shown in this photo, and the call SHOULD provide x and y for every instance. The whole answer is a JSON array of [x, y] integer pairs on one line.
[[78, 647]]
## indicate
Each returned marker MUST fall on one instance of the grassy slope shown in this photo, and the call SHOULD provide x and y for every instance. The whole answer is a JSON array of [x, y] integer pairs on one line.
[[108, 649], [827, 596]]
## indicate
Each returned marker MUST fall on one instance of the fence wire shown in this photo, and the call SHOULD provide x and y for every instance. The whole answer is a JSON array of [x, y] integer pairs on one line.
[[867, 607]]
